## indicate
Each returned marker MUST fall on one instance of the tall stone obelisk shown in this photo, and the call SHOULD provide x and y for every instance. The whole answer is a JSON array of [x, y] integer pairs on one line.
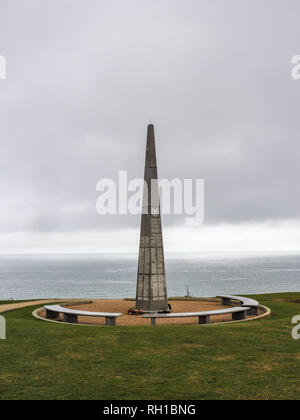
[[151, 291]]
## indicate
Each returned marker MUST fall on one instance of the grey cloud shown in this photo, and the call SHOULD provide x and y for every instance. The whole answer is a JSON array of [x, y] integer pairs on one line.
[[84, 79]]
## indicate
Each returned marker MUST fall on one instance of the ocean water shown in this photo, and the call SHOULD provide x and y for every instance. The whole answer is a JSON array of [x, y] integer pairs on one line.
[[114, 276]]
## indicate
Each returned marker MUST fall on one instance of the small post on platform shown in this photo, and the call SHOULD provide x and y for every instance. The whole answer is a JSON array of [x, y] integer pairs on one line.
[[238, 316], [253, 311], [70, 318], [51, 314], [110, 321], [226, 301], [153, 322], [204, 319]]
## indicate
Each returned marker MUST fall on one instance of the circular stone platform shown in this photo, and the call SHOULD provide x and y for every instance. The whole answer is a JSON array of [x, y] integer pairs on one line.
[[120, 305]]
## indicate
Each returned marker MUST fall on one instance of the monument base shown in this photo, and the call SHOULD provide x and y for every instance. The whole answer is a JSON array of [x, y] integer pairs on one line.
[[136, 311], [161, 311]]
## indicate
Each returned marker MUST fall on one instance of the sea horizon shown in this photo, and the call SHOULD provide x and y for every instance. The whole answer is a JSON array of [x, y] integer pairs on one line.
[[113, 275]]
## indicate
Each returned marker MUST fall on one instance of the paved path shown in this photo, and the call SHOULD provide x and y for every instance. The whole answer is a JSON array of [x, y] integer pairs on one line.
[[11, 306]]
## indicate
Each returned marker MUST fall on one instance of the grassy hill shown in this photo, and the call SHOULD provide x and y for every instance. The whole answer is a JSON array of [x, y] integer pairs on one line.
[[252, 360]]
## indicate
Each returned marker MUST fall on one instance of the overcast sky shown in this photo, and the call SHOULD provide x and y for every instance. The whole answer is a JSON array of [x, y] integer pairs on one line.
[[84, 78]]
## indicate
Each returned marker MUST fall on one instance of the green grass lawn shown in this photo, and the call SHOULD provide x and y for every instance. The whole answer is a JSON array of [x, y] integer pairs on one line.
[[252, 360]]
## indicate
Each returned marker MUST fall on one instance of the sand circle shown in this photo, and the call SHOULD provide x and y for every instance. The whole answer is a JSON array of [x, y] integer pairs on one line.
[[122, 306]]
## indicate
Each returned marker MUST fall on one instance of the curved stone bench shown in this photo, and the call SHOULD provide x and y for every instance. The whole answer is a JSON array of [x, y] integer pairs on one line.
[[71, 315], [238, 314], [253, 304]]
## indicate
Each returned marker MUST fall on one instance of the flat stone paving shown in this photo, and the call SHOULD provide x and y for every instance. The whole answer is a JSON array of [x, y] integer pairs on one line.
[[11, 306]]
